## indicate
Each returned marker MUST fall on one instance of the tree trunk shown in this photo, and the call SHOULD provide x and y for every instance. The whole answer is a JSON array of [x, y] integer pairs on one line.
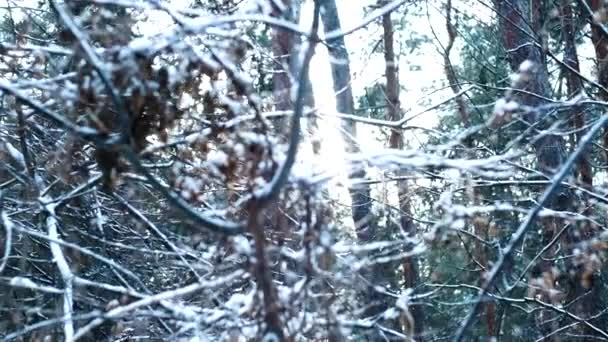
[[285, 62], [518, 21], [600, 44], [480, 224], [574, 85], [283, 43], [340, 69], [410, 268], [517, 38], [589, 303], [360, 194]]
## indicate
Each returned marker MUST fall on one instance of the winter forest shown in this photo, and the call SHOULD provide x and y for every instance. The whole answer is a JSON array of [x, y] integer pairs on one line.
[[303, 170]]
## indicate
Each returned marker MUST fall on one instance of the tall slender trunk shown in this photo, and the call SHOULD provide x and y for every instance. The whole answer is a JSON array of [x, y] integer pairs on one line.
[[518, 21], [360, 194], [574, 85], [286, 67], [309, 99], [286, 46], [599, 38], [410, 268], [517, 38], [600, 44], [283, 43], [480, 225], [590, 300], [340, 69]]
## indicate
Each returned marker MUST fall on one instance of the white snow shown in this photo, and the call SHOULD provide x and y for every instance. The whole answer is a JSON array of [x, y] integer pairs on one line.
[[503, 106], [526, 66], [242, 245], [217, 158], [14, 153]]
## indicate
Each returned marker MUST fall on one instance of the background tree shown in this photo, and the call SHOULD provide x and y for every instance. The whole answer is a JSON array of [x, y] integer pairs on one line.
[[157, 180]]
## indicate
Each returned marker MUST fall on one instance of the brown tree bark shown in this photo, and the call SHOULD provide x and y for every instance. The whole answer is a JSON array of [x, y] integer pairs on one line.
[[410, 268], [522, 44], [574, 85], [519, 21], [588, 298], [263, 273], [285, 49], [600, 45], [283, 43], [599, 38]]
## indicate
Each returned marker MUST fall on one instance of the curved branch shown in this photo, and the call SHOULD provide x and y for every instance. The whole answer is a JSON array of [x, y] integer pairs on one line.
[[96, 63], [282, 175], [213, 224]]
